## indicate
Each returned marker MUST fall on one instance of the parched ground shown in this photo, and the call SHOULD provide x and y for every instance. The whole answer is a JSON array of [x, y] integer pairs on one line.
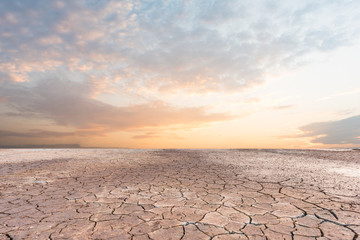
[[179, 194]]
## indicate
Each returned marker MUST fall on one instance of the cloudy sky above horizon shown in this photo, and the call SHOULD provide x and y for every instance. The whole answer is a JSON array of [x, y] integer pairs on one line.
[[180, 74]]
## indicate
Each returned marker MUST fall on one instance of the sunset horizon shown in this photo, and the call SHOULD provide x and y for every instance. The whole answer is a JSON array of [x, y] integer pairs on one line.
[[180, 74]]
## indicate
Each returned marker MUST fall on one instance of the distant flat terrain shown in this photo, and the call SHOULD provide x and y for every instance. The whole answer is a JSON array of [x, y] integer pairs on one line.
[[179, 194]]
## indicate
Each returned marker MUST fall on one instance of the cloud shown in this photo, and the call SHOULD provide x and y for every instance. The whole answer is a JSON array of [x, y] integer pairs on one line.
[[195, 46], [340, 94], [143, 50], [345, 131], [158, 134], [75, 145], [70, 104], [147, 135], [3, 99], [34, 133], [283, 107]]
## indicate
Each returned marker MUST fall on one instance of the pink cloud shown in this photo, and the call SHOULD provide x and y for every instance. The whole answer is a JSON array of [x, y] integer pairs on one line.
[[71, 104]]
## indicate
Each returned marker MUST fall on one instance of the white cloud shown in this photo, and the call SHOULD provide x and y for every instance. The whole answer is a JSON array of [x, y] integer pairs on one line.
[[197, 46]]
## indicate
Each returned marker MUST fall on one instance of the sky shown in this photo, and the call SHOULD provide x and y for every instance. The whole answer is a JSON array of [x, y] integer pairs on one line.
[[180, 74]]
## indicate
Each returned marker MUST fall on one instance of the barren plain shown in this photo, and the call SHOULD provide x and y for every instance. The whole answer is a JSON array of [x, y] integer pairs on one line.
[[179, 194]]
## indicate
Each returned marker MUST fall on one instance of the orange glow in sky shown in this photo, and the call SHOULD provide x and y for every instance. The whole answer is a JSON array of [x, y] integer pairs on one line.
[[180, 74]]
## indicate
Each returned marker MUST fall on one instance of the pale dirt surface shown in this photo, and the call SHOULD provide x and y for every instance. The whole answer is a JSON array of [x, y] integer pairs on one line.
[[179, 194]]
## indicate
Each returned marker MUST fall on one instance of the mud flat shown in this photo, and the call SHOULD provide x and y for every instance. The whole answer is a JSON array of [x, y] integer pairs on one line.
[[179, 194]]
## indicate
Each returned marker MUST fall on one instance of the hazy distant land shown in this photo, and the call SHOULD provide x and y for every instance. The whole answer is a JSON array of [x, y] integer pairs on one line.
[[179, 194]]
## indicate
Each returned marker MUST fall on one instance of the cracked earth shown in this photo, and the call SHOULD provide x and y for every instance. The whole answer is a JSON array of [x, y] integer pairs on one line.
[[179, 194]]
